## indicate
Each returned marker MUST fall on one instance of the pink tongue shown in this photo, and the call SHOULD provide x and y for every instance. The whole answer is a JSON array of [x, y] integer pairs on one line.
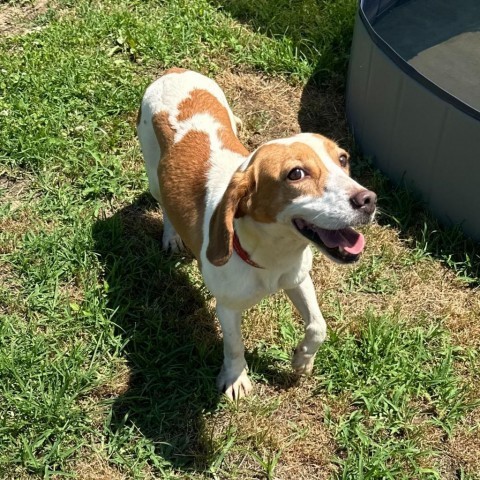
[[347, 238]]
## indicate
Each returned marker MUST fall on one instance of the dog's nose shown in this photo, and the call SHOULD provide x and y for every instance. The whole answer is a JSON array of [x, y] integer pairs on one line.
[[365, 200]]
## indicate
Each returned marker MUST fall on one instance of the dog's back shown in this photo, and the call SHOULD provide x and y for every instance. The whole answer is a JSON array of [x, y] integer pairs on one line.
[[185, 126]]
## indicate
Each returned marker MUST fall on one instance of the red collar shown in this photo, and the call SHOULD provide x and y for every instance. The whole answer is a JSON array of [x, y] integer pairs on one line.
[[242, 253]]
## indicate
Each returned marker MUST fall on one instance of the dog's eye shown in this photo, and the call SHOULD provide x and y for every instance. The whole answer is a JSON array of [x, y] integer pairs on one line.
[[296, 174], [343, 159]]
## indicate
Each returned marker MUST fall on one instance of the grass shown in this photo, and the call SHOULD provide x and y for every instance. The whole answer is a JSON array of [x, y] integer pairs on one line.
[[320, 31], [109, 348]]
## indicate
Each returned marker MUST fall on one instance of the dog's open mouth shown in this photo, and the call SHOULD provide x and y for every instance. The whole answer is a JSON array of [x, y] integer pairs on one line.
[[344, 245]]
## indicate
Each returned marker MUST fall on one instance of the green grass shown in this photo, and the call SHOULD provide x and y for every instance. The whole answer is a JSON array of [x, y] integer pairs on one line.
[[320, 30], [394, 375], [109, 348]]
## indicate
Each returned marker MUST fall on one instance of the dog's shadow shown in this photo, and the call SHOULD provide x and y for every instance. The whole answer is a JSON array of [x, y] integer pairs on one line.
[[172, 345], [172, 342]]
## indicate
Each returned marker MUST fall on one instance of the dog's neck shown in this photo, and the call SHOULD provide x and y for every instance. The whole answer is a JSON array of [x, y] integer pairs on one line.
[[270, 245], [237, 246]]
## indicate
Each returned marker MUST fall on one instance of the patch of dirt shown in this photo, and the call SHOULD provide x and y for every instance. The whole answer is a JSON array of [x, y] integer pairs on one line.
[[115, 386], [15, 191], [263, 104], [12, 188], [9, 290], [458, 453], [17, 18]]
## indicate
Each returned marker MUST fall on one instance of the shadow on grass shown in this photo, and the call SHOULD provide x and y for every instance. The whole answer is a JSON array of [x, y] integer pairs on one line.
[[171, 344], [172, 341], [319, 31], [424, 234]]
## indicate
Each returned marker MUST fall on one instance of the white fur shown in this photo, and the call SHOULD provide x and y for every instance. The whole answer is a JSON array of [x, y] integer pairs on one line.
[[278, 247]]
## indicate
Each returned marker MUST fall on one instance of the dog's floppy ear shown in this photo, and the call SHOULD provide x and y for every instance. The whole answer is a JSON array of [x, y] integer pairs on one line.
[[233, 204]]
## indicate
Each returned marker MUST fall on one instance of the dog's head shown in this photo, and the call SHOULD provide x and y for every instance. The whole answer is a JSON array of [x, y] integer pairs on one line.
[[302, 183]]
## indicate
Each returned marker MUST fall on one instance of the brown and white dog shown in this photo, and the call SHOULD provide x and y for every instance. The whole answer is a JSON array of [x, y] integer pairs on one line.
[[248, 218]]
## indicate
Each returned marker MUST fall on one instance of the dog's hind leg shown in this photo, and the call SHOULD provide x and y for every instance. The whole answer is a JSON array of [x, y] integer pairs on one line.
[[233, 379], [304, 298], [171, 241]]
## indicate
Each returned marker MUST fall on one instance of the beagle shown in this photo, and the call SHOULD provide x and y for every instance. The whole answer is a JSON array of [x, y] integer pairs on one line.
[[248, 217]]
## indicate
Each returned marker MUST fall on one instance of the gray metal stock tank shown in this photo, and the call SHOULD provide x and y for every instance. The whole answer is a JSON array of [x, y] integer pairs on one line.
[[413, 100]]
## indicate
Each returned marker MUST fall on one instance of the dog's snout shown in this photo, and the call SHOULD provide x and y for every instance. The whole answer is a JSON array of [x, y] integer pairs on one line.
[[365, 200]]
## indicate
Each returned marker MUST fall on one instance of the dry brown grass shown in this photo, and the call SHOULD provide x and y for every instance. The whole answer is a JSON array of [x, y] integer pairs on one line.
[[286, 422], [90, 466], [9, 283], [16, 191], [116, 385], [17, 19], [265, 105], [13, 188], [459, 452], [464, 446], [272, 108]]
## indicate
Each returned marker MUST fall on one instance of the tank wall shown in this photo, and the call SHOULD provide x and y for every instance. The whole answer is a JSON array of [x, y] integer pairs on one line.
[[375, 8]]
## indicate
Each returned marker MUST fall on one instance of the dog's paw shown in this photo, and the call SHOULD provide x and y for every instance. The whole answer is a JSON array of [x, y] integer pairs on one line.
[[171, 242], [302, 362], [234, 386]]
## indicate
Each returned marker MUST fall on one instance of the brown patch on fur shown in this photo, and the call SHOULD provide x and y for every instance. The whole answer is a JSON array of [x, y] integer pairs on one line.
[[201, 101], [184, 165], [163, 131], [175, 70], [273, 191], [334, 151]]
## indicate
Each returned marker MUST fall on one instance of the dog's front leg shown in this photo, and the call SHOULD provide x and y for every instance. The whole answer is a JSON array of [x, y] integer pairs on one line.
[[233, 379], [304, 298]]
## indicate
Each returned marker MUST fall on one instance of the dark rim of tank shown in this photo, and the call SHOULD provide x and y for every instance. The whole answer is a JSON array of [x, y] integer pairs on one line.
[[374, 13]]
